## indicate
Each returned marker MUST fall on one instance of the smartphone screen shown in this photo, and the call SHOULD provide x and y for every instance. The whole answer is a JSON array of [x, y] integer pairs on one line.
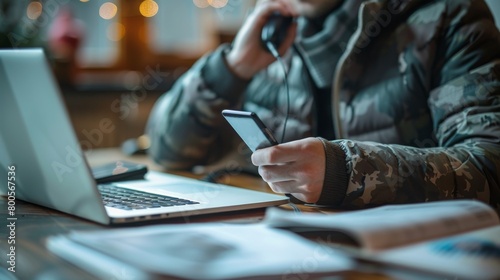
[[119, 171], [250, 128]]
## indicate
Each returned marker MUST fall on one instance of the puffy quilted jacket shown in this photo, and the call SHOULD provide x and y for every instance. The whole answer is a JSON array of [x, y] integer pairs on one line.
[[414, 88]]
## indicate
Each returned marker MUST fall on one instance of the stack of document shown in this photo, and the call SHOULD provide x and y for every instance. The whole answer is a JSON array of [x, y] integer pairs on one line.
[[457, 239], [198, 251]]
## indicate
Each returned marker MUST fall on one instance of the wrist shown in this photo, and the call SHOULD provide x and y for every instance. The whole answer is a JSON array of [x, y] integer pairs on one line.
[[336, 175], [239, 66]]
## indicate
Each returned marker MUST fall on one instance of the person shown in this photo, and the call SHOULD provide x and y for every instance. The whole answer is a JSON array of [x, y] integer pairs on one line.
[[407, 92]]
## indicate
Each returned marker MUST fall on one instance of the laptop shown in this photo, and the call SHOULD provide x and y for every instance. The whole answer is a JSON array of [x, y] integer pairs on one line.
[[36, 137]]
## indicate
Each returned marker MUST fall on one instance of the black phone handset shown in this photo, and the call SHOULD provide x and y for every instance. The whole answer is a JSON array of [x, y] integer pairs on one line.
[[274, 32]]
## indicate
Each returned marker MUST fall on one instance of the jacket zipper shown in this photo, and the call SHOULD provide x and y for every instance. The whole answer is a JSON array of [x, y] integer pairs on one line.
[[339, 132]]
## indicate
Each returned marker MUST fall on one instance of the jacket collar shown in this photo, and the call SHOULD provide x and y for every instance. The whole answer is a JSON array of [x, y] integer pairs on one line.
[[322, 43]]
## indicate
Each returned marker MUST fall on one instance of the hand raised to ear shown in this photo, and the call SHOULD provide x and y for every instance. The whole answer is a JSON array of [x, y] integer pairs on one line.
[[247, 55]]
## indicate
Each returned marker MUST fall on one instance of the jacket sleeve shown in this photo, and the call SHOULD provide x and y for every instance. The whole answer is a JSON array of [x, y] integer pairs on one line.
[[185, 126], [465, 107]]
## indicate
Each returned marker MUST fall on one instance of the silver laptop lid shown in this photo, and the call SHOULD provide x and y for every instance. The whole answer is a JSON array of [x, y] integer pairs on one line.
[[37, 138]]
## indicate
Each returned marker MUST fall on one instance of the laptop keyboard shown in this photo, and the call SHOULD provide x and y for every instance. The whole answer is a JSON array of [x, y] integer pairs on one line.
[[127, 199]]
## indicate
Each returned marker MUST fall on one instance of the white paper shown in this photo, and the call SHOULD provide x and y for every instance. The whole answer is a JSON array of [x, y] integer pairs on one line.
[[394, 225], [474, 255], [216, 251]]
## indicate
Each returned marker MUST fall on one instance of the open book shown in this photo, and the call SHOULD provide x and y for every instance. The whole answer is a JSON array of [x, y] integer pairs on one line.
[[458, 238]]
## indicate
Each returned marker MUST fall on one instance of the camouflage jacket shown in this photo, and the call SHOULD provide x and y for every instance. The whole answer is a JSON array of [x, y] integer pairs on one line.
[[415, 94]]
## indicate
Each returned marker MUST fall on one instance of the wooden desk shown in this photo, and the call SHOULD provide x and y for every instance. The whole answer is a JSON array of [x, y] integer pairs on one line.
[[34, 224]]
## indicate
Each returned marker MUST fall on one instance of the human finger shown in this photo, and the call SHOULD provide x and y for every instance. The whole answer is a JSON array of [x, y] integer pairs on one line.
[[287, 152]]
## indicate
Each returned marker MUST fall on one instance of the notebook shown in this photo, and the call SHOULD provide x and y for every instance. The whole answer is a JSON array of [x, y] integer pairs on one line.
[[36, 138]]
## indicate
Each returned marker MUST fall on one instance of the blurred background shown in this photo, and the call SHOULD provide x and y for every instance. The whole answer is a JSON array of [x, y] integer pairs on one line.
[[114, 58]]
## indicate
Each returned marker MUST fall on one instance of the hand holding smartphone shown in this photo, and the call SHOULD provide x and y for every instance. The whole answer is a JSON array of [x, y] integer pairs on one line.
[[250, 128]]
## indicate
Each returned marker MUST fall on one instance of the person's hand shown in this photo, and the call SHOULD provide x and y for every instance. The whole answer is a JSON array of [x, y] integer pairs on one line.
[[248, 56], [296, 167]]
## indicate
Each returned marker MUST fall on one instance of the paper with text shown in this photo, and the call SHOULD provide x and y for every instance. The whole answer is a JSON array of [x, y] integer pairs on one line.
[[213, 251], [394, 225]]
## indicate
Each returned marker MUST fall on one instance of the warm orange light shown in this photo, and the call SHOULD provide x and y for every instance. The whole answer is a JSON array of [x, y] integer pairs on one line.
[[84, 1], [108, 10], [34, 10], [217, 3], [148, 8], [115, 31], [201, 3]]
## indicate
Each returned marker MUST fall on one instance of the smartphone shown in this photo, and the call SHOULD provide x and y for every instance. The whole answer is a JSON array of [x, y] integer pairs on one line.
[[119, 171], [250, 128]]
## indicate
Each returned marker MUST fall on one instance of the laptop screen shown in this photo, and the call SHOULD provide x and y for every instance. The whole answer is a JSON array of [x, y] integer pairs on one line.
[[37, 137]]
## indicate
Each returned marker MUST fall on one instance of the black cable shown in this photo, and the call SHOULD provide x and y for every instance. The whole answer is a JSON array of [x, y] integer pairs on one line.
[[275, 53], [294, 207], [215, 175]]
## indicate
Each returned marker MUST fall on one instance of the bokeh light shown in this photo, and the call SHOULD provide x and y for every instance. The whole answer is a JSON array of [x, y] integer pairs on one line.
[[148, 8], [115, 31], [108, 10], [201, 3], [217, 3], [34, 10]]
